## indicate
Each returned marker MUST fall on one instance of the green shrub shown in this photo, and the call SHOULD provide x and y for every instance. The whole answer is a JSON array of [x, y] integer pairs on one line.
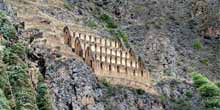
[[209, 90], [180, 104], [108, 20], [43, 97], [212, 103], [91, 23], [106, 83], [205, 61], [120, 35], [18, 49], [197, 44], [13, 53], [9, 57], [199, 80], [189, 94], [140, 91], [218, 84], [4, 104], [22, 88], [6, 28], [112, 25]]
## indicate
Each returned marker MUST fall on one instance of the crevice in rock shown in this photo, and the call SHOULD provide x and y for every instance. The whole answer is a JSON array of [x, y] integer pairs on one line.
[[40, 62], [42, 67], [70, 106], [75, 92]]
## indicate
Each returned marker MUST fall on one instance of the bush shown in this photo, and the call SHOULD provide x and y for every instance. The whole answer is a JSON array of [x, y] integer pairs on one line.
[[13, 53], [197, 45], [22, 88], [140, 91], [218, 84], [4, 104], [43, 97], [108, 20], [205, 61], [212, 103], [105, 83], [9, 57], [180, 104], [120, 35], [91, 23], [199, 80], [209, 90], [189, 94], [6, 28]]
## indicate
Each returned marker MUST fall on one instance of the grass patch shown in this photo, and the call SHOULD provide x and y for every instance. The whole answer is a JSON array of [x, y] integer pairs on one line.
[[197, 45], [205, 61]]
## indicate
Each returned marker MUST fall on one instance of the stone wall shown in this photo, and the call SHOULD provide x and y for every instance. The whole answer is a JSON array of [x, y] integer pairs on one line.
[[213, 31], [109, 59]]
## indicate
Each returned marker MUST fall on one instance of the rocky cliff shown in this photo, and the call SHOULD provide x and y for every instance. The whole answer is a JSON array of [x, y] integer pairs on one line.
[[170, 35]]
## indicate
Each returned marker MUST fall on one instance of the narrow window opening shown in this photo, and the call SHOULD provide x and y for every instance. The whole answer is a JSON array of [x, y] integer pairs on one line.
[[91, 63], [142, 73], [110, 68], [118, 69], [101, 65]]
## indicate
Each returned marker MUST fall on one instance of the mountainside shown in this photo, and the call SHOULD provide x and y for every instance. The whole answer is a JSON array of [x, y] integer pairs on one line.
[[178, 40]]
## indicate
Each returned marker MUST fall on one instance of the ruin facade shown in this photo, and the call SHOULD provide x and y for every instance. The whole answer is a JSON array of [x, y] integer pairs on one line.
[[109, 59]]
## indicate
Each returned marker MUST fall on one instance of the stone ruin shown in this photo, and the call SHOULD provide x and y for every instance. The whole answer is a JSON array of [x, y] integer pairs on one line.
[[213, 31], [110, 59]]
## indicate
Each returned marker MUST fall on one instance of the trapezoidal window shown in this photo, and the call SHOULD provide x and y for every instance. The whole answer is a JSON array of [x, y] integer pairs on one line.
[[110, 68], [91, 63], [142, 73], [101, 65], [118, 69]]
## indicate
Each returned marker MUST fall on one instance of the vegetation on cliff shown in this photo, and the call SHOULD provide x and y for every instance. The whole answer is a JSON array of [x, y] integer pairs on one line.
[[16, 89], [209, 91]]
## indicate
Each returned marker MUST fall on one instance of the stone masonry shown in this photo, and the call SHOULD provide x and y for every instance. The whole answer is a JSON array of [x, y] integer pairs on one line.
[[109, 59]]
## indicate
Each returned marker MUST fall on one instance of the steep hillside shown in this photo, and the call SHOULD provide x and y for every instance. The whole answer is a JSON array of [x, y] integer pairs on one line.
[[39, 72]]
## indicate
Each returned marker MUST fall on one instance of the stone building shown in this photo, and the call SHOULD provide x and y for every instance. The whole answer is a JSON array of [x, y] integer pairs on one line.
[[109, 59]]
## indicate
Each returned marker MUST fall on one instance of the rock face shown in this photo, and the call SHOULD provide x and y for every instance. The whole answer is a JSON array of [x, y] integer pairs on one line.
[[179, 95], [160, 55], [74, 86], [72, 82], [168, 51]]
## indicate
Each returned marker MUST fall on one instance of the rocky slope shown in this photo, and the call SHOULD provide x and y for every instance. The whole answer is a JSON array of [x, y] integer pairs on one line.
[[165, 33]]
